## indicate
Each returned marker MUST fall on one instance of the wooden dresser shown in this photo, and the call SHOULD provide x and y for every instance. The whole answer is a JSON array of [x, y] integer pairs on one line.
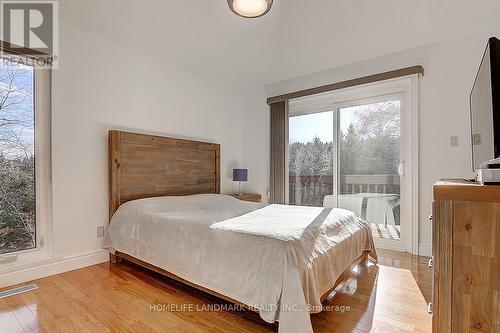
[[466, 257]]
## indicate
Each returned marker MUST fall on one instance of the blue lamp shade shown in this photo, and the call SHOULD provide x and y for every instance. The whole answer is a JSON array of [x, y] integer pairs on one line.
[[240, 175]]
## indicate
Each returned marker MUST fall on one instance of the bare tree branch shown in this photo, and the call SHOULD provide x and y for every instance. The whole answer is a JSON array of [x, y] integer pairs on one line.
[[17, 172]]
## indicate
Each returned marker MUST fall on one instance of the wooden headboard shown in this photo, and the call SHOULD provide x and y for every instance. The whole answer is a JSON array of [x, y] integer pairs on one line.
[[144, 166]]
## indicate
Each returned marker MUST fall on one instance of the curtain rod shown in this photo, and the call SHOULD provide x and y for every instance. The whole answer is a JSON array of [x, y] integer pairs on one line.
[[349, 83]]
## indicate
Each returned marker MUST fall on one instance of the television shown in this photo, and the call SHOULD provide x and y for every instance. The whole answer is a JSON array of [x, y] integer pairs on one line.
[[485, 108]]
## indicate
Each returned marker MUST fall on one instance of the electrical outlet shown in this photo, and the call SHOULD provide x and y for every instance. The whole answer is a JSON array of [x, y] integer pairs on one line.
[[424, 261], [100, 231], [454, 141]]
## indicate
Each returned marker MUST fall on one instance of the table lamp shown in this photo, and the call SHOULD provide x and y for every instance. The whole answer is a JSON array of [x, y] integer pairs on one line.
[[240, 175]]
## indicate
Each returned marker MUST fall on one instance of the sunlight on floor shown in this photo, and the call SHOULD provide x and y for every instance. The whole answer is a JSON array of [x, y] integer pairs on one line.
[[389, 296]]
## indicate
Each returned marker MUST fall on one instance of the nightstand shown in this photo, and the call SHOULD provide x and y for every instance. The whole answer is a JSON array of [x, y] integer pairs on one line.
[[247, 197]]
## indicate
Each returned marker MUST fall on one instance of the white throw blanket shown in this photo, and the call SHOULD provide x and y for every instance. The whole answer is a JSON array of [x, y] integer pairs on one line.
[[278, 259], [288, 223]]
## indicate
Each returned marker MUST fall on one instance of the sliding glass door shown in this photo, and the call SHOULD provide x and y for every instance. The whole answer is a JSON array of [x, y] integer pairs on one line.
[[369, 146], [353, 149]]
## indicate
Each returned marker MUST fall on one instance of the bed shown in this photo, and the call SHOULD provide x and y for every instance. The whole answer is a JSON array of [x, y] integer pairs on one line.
[[167, 214]]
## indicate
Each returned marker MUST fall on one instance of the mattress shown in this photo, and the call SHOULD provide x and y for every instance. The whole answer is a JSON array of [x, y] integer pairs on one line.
[[277, 259]]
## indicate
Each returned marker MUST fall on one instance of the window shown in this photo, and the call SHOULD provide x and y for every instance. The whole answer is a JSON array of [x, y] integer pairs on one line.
[[24, 159], [17, 159]]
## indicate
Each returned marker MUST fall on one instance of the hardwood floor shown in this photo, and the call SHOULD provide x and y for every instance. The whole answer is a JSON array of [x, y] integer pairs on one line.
[[388, 297]]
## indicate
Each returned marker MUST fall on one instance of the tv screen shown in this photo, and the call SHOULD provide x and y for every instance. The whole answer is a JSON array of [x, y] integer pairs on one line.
[[485, 107]]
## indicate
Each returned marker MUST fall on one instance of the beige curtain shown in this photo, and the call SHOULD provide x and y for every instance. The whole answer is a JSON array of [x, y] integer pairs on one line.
[[279, 139]]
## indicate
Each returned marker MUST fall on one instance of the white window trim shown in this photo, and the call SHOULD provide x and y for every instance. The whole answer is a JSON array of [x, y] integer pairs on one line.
[[43, 178], [407, 88]]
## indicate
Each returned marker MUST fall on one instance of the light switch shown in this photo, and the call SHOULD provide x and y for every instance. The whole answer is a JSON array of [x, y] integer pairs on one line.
[[454, 141], [476, 139]]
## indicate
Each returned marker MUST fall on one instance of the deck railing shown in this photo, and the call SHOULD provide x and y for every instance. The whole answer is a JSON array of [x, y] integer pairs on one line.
[[310, 190]]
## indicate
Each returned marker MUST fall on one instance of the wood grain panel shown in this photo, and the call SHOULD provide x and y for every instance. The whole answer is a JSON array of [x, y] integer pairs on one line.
[[475, 272], [466, 244], [435, 255], [443, 266], [144, 166], [114, 164], [248, 197], [496, 310], [461, 190]]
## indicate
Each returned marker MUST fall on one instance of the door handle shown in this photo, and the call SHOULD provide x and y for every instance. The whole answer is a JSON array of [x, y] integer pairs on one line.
[[401, 168]]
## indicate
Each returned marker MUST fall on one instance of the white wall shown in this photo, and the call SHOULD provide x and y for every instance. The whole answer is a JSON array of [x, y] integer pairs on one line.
[[450, 69], [100, 86]]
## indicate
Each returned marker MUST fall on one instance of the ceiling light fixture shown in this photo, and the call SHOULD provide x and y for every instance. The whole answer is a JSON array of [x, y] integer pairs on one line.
[[250, 8]]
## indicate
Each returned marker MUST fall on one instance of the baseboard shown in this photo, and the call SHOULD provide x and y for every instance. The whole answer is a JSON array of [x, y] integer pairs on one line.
[[425, 249], [53, 267], [387, 244]]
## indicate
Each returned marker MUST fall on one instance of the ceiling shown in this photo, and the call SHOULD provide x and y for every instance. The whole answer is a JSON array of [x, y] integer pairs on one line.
[[297, 37]]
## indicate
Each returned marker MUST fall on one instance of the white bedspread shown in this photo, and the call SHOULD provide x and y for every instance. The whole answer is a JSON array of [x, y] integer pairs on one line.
[[278, 259]]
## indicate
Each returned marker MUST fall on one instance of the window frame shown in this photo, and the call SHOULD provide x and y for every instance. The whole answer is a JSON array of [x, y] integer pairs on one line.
[[42, 87]]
